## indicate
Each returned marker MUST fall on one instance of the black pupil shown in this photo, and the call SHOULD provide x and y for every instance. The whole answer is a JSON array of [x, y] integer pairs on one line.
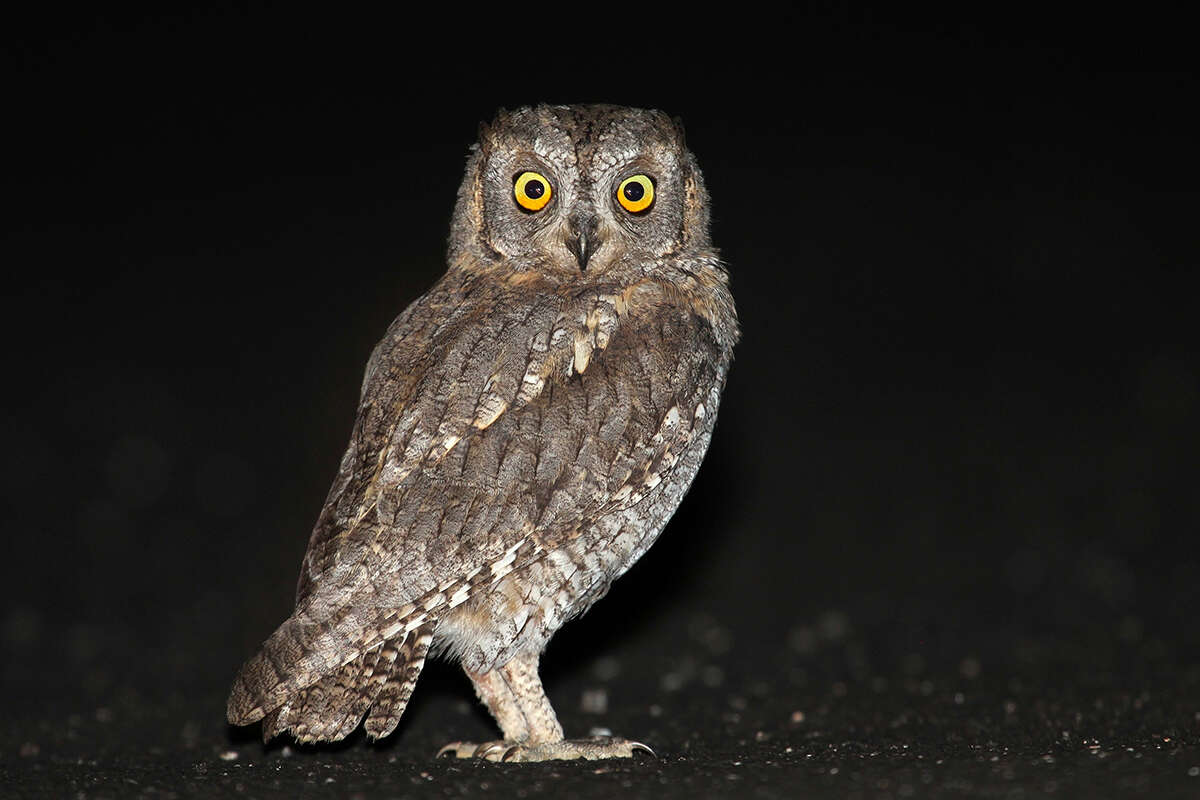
[[634, 191], [534, 189]]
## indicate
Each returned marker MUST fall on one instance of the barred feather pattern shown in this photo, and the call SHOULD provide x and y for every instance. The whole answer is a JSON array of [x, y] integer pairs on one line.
[[380, 680], [393, 694], [291, 677]]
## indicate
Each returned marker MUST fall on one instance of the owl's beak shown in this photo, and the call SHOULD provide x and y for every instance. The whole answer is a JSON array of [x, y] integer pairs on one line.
[[582, 237]]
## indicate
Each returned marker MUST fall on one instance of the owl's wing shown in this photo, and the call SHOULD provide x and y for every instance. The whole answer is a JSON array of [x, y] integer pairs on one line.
[[489, 433]]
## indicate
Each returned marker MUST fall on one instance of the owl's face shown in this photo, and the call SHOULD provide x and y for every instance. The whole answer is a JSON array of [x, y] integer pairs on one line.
[[580, 190]]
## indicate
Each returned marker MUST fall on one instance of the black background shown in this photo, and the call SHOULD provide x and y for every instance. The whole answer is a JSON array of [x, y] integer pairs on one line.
[[949, 509]]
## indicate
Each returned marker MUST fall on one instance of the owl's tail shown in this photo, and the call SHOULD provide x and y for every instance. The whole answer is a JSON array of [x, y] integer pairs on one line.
[[377, 684]]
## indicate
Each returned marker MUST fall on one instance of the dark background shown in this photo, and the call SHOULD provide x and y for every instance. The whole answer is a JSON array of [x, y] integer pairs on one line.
[[945, 541]]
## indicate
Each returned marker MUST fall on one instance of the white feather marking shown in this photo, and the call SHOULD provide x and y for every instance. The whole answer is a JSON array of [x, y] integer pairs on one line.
[[460, 597], [505, 563], [491, 406], [583, 353]]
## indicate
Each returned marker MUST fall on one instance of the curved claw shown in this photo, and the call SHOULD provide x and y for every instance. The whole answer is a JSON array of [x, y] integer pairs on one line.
[[486, 751], [510, 752], [643, 747], [450, 748]]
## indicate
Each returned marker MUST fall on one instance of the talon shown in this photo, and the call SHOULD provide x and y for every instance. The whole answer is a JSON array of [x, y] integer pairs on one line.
[[644, 747], [450, 748], [510, 752], [486, 751]]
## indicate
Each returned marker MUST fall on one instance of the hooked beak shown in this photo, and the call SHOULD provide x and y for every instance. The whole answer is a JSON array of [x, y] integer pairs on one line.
[[582, 237]]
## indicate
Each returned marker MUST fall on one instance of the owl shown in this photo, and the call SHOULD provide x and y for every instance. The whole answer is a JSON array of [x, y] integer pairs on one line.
[[525, 430]]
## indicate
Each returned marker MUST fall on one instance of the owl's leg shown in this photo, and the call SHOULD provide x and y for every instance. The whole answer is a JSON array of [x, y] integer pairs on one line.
[[515, 696], [498, 694], [521, 677], [495, 694]]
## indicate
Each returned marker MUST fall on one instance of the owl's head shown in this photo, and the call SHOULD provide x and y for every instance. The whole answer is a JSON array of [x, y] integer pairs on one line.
[[572, 191]]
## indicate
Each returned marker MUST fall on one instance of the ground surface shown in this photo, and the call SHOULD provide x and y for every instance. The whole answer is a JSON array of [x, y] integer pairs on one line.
[[815, 726]]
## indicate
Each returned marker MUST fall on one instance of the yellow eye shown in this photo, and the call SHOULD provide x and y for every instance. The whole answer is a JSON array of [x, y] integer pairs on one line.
[[636, 193], [532, 191]]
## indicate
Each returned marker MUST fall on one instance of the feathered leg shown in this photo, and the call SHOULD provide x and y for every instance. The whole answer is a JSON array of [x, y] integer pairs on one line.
[[515, 697]]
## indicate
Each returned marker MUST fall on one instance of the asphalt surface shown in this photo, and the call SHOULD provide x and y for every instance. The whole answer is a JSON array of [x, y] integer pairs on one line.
[[830, 713], [945, 541]]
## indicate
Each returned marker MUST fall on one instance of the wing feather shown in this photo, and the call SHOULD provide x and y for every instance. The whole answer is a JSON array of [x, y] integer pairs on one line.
[[503, 431]]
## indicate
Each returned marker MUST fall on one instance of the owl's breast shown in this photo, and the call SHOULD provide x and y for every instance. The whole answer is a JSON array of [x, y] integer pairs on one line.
[[619, 446]]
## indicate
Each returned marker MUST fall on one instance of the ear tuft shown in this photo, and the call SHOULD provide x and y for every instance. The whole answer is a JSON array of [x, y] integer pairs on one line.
[[679, 132]]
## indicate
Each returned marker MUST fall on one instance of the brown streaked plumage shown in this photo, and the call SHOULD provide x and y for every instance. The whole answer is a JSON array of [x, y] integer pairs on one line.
[[525, 430]]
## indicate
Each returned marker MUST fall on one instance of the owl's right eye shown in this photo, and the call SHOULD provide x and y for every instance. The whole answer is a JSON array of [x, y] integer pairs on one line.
[[532, 191]]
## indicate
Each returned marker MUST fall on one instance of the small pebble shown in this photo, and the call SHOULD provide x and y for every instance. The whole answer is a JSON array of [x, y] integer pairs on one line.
[[606, 668], [672, 682], [712, 676], [803, 640], [594, 701]]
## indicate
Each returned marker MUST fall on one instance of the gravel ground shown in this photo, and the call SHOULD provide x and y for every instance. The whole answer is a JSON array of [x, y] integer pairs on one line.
[[1043, 720]]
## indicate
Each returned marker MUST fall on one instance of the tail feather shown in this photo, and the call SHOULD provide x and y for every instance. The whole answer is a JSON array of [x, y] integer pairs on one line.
[[373, 678], [276, 722], [311, 648], [322, 707], [291, 654], [379, 681], [392, 697]]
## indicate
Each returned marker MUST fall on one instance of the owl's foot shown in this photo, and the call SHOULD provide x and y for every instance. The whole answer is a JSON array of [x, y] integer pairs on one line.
[[490, 751], [591, 749]]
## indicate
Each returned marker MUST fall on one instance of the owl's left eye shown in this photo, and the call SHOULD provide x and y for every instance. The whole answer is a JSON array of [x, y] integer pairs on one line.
[[636, 193], [532, 191]]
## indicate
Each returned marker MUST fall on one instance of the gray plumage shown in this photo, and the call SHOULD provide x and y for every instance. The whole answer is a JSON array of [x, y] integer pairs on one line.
[[524, 432]]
